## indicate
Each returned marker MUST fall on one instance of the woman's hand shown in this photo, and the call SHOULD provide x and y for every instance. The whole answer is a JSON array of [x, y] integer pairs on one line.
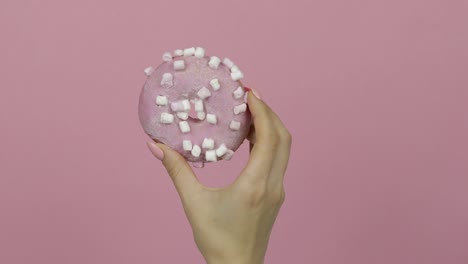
[[233, 224]]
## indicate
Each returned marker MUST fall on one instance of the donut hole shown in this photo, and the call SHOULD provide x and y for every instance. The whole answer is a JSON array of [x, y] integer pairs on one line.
[[194, 119], [192, 113]]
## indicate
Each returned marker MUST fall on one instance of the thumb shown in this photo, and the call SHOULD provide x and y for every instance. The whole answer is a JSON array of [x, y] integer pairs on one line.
[[176, 166]]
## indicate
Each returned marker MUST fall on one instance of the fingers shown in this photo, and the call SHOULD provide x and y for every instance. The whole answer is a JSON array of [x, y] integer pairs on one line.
[[251, 137], [270, 143], [266, 141], [177, 167], [284, 148]]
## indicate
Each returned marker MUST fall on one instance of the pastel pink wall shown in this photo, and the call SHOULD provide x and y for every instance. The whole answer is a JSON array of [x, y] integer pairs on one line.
[[375, 94]]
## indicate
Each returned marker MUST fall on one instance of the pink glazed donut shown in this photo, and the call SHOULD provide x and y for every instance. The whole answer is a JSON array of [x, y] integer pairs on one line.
[[196, 105]]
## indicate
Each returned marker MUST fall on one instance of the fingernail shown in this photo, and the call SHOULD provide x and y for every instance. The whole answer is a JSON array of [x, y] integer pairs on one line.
[[254, 92], [157, 152]]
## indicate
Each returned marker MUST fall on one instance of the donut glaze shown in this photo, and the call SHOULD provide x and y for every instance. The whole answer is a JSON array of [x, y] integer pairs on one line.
[[185, 85]]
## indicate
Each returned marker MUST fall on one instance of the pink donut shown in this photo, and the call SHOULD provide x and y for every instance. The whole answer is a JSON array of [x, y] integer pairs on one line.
[[196, 105]]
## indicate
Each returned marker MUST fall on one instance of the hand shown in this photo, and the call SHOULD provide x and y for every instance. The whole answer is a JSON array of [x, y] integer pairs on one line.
[[233, 224]]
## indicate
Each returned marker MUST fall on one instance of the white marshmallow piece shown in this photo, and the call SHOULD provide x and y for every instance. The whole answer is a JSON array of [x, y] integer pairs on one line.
[[211, 118], [178, 52], [148, 71], [201, 115], [189, 52], [184, 127], [208, 143], [236, 76], [228, 155], [198, 105], [161, 100], [166, 118], [215, 84], [210, 155], [179, 65], [166, 80], [234, 125], [238, 93], [204, 93], [167, 56], [228, 63], [235, 69], [199, 52], [240, 108], [186, 105], [221, 150], [196, 151], [187, 145], [182, 115], [214, 62], [181, 106]]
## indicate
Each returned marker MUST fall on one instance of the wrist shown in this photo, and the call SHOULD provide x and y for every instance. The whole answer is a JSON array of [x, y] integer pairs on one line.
[[233, 261], [244, 259]]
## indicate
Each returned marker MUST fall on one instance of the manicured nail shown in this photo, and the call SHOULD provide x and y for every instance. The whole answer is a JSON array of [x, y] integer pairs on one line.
[[254, 92], [157, 152]]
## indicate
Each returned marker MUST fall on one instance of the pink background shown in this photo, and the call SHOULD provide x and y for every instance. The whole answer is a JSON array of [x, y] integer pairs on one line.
[[375, 94]]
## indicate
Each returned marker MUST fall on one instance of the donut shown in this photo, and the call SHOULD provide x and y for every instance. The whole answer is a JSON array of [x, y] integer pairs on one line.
[[196, 105]]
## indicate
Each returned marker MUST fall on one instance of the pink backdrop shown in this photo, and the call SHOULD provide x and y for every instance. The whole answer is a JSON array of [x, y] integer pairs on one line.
[[375, 94]]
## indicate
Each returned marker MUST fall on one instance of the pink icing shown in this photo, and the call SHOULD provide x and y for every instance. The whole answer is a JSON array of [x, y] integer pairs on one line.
[[186, 84]]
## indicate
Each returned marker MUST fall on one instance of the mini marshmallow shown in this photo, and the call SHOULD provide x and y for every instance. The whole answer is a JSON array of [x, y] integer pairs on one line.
[[228, 155], [178, 52], [186, 104], [167, 56], [236, 76], [184, 127], [210, 155], [215, 84], [179, 65], [240, 108], [211, 118], [199, 52], [166, 118], [187, 145], [221, 150], [161, 100], [198, 105], [234, 125], [204, 93], [166, 80], [180, 106], [189, 51], [148, 71], [235, 69], [214, 62], [238, 93], [196, 151], [201, 115], [182, 115], [228, 63], [208, 143]]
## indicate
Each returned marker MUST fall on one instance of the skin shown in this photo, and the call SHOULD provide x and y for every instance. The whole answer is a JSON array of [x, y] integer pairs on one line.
[[233, 224]]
